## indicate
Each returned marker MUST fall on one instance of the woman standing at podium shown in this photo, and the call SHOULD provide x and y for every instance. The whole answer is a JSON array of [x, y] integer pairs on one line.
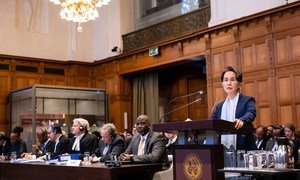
[[237, 108]]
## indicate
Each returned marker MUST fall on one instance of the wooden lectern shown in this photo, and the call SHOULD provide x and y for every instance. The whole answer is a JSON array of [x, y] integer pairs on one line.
[[193, 160]]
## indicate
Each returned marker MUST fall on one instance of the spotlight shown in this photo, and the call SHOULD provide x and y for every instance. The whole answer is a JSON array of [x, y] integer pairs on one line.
[[114, 49]]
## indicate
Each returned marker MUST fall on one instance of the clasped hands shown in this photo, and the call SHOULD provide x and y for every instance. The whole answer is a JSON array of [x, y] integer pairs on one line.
[[124, 157]]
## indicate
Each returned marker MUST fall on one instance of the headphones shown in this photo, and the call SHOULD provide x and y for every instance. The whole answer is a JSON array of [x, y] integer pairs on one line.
[[54, 130], [81, 128]]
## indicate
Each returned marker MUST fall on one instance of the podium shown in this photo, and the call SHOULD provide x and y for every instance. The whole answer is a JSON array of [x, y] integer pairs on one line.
[[193, 160]]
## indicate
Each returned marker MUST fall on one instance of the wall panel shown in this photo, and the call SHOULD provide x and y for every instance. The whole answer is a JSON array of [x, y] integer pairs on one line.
[[281, 50], [284, 89], [5, 85], [285, 115], [296, 47], [193, 46], [264, 114]]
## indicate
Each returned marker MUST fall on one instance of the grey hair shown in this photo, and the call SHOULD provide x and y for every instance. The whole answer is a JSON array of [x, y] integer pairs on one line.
[[82, 122]]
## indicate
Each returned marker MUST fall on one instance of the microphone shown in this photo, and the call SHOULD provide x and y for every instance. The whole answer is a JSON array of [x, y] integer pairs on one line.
[[186, 105], [180, 97], [184, 96], [214, 107]]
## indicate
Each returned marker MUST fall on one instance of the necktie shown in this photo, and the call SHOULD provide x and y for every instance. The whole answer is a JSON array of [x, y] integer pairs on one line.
[[105, 150], [141, 147]]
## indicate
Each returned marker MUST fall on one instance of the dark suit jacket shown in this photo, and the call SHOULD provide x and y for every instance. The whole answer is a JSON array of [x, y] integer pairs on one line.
[[87, 144], [245, 111], [263, 144], [62, 146], [270, 144], [115, 148], [155, 148], [19, 147], [44, 148]]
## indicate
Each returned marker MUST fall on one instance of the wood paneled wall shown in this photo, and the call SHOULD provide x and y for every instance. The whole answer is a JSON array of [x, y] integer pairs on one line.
[[265, 47]]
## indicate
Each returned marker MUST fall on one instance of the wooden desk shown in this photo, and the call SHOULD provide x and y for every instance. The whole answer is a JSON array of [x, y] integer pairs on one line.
[[11, 171], [267, 174]]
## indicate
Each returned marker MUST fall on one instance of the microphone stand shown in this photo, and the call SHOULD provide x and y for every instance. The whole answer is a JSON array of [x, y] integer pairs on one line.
[[180, 97], [186, 105], [184, 96]]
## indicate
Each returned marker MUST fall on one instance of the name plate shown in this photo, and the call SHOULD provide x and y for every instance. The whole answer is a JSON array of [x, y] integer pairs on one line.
[[74, 163]]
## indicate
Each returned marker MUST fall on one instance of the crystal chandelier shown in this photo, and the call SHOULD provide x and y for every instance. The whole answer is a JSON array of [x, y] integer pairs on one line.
[[79, 11]]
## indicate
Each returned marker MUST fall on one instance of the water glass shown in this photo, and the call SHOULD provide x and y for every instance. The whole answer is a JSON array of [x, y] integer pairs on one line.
[[86, 158], [246, 159], [13, 156], [270, 159], [251, 160], [263, 159], [240, 159], [229, 159]]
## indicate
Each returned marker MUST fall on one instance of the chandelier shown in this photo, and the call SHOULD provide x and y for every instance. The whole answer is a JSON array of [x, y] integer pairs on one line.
[[79, 11]]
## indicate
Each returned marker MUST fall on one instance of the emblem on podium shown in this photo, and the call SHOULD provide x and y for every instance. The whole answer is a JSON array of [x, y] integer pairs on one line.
[[192, 166]]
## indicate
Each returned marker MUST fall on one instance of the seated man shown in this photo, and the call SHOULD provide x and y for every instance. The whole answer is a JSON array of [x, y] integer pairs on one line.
[[261, 137], [110, 144], [82, 141], [146, 146], [60, 143], [272, 144], [46, 145]]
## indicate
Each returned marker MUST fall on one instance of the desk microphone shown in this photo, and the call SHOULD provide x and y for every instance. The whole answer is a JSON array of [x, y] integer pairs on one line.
[[184, 96], [180, 97], [186, 105], [214, 107]]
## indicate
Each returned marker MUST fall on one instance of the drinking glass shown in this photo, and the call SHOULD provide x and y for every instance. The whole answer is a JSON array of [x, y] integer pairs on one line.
[[13, 156], [86, 158], [240, 159], [229, 159], [251, 160], [270, 159], [263, 159]]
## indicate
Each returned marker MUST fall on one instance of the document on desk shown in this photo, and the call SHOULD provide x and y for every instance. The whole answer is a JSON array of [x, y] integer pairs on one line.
[[29, 161]]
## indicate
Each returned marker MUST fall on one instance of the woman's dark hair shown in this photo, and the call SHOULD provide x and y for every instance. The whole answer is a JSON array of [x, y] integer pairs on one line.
[[239, 75]]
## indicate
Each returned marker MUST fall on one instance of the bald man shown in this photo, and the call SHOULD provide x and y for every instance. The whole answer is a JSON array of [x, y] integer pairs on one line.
[[146, 146]]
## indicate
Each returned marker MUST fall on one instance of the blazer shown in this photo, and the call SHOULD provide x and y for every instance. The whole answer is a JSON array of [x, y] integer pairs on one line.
[[116, 147], [19, 147], [270, 144], [245, 111], [62, 146], [263, 144], [87, 144], [155, 148], [44, 148]]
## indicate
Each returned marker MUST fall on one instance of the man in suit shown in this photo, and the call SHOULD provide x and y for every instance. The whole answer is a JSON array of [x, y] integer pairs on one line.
[[60, 143], [146, 146], [110, 144], [272, 144], [82, 141], [46, 145], [261, 137]]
